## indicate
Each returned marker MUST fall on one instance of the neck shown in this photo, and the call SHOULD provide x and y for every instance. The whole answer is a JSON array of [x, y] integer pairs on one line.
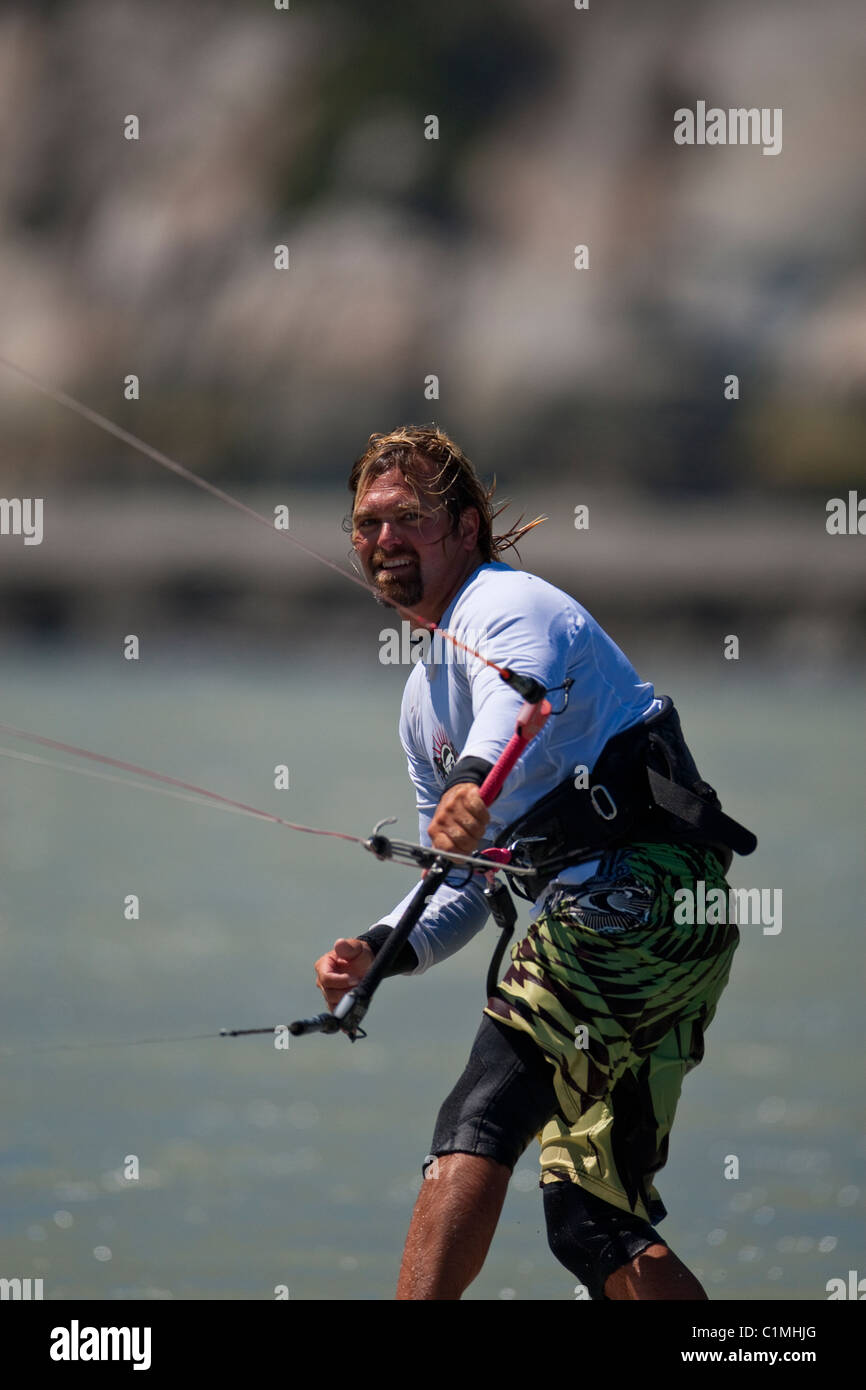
[[433, 611]]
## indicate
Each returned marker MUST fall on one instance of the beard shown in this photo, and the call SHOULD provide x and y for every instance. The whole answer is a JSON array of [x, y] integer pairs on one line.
[[403, 589]]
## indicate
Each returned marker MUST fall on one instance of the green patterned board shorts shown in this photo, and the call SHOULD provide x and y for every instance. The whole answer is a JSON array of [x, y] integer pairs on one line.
[[617, 995]]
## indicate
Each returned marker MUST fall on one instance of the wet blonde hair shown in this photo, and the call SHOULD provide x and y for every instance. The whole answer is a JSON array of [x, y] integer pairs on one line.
[[414, 449]]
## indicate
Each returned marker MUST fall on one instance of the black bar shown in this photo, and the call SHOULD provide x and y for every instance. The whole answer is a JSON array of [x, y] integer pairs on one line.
[[426, 888]]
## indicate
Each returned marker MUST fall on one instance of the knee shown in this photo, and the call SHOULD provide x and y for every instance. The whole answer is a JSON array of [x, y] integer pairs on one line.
[[590, 1237], [467, 1174]]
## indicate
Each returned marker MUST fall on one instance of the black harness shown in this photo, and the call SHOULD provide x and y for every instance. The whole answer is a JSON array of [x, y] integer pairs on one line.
[[644, 786]]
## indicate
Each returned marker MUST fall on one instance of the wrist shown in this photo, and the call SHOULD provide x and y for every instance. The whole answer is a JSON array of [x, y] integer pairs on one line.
[[472, 770], [406, 960]]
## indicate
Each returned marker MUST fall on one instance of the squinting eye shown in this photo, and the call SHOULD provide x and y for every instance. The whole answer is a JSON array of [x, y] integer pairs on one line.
[[372, 524]]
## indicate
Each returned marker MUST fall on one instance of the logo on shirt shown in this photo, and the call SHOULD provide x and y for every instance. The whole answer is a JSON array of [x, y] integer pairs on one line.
[[444, 754]]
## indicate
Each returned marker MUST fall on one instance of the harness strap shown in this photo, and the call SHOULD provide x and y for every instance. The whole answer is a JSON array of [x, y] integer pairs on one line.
[[700, 815], [644, 786], [504, 914]]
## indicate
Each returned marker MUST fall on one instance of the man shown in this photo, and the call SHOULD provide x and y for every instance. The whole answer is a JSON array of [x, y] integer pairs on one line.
[[587, 1039]]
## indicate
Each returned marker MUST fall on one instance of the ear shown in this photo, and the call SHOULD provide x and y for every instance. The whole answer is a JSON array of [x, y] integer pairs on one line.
[[470, 523]]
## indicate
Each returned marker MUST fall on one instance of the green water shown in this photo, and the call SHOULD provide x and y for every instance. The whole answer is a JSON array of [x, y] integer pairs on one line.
[[260, 1167]]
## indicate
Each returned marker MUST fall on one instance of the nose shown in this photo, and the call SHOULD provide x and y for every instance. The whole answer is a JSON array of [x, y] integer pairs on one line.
[[389, 536]]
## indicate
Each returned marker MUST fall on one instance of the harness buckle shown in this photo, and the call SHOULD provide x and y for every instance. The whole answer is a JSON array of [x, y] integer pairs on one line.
[[525, 840], [605, 815]]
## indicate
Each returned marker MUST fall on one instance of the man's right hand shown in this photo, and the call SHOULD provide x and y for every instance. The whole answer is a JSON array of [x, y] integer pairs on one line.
[[343, 968]]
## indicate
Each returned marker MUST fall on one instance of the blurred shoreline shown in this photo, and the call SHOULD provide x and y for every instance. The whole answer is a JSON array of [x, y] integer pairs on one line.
[[187, 568]]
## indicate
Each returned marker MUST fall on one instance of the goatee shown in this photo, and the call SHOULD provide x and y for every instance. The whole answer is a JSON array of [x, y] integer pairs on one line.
[[405, 592]]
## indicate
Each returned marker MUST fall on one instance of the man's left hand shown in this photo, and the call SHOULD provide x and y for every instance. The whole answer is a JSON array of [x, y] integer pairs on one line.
[[460, 820]]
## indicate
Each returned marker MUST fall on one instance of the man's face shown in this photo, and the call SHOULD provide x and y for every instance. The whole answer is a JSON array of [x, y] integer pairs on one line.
[[407, 548]]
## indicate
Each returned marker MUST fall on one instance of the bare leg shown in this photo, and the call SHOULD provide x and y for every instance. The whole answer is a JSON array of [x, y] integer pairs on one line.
[[655, 1273], [452, 1226]]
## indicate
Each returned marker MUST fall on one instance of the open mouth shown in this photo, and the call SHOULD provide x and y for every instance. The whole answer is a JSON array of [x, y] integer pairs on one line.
[[396, 567]]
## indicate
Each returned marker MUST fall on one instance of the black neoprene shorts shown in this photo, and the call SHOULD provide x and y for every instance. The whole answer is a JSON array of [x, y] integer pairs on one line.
[[503, 1099]]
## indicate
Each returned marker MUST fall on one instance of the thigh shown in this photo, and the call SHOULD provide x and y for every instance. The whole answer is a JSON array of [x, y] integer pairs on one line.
[[614, 1148], [504, 1098], [606, 970], [617, 993]]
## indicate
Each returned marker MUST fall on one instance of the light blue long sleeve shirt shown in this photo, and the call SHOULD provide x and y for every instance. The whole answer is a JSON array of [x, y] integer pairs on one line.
[[454, 707]]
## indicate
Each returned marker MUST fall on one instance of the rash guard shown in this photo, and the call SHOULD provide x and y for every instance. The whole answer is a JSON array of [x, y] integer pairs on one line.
[[456, 707]]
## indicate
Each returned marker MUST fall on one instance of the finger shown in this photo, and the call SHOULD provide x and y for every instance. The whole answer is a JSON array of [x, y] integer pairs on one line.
[[459, 827], [463, 816], [465, 799], [347, 949], [471, 824], [476, 807], [334, 989], [337, 979], [455, 844]]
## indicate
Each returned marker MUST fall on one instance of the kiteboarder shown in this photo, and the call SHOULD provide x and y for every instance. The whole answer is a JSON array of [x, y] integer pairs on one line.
[[586, 1040]]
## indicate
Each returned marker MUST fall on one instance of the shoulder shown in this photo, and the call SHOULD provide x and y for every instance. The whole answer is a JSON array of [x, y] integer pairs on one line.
[[497, 593], [496, 578]]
